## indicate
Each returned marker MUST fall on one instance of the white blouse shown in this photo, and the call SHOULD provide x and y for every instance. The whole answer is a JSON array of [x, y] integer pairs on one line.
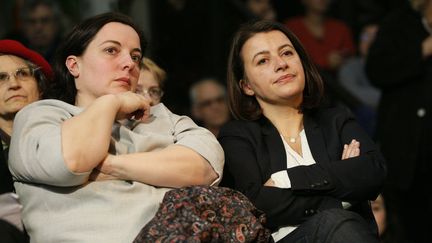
[[281, 179]]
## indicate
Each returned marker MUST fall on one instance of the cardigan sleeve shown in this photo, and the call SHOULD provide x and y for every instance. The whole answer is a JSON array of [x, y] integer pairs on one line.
[[35, 154], [199, 139]]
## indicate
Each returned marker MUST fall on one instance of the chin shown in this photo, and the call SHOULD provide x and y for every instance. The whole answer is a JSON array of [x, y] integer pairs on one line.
[[14, 110], [121, 90]]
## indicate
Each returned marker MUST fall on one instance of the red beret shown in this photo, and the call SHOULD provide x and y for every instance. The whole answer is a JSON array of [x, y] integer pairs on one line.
[[12, 47]]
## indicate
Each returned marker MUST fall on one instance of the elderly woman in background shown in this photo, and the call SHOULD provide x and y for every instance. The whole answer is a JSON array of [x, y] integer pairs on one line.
[[23, 75], [151, 81]]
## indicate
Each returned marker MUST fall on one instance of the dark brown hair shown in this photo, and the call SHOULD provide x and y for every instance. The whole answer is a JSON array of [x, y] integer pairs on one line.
[[75, 43], [244, 107]]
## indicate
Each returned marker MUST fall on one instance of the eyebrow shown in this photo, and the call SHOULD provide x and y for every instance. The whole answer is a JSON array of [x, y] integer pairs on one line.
[[266, 52], [118, 43]]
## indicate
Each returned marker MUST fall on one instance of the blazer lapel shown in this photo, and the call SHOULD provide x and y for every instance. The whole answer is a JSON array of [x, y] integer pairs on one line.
[[315, 139], [275, 146]]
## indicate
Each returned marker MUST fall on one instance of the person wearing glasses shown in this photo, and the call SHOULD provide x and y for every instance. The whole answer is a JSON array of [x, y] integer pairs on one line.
[[23, 74], [151, 81], [208, 104]]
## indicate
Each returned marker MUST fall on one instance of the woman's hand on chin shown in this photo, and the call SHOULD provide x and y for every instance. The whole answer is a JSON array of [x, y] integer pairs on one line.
[[132, 105]]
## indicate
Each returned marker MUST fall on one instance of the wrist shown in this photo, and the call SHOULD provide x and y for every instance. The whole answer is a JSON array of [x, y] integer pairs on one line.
[[115, 167]]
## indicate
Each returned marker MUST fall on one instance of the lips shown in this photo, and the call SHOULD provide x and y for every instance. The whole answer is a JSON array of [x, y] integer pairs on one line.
[[285, 78], [124, 80], [14, 97]]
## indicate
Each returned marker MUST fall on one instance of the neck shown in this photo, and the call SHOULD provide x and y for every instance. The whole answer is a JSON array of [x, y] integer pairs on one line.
[[83, 100], [287, 120], [6, 125]]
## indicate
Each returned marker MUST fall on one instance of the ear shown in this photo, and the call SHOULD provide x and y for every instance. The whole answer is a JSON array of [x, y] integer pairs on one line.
[[245, 86], [72, 65]]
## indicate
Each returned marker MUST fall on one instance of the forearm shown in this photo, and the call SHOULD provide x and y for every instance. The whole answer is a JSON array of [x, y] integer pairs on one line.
[[174, 166], [86, 137], [358, 178], [282, 206]]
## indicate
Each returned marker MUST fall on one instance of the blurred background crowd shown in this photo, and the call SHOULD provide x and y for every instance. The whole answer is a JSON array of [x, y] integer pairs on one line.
[[189, 39], [374, 56]]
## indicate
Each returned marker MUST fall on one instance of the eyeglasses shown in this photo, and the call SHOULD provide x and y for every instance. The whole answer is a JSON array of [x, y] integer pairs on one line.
[[209, 102], [21, 74], [154, 93]]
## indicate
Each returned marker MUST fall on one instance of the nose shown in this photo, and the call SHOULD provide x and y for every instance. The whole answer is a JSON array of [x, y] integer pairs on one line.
[[14, 83], [281, 64], [128, 63]]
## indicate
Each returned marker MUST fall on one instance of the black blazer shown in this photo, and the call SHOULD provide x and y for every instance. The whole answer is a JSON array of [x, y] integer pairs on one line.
[[254, 150]]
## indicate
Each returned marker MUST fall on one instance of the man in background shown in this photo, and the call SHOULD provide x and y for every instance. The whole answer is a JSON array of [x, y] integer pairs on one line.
[[40, 28], [208, 104]]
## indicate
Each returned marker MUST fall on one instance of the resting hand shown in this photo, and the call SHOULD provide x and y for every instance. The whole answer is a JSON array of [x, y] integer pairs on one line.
[[132, 105], [351, 150], [270, 182]]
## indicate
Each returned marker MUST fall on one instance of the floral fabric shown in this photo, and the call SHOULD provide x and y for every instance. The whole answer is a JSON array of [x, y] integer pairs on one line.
[[205, 214]]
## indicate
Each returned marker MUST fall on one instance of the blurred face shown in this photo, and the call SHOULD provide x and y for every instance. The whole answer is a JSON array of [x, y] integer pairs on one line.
[[379, 212], [149, 87], [17, 88], [261, 8], [109, 65], [40, 27], [273, 70], [319, 6], [211, 107]]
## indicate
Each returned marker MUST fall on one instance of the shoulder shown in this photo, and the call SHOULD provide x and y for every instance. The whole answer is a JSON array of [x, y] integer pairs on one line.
[[330, 115], [49, 104], [160, 109], [239, 128], [46, 109]]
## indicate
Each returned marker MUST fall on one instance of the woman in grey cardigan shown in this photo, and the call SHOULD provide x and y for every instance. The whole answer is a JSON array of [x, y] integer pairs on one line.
[[97, 156]]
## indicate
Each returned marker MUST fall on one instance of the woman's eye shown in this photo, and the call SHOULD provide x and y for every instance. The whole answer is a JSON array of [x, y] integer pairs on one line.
[[4, 76], [262, 61], [287, 53], [111, 50], [21, 73], [136, 58]]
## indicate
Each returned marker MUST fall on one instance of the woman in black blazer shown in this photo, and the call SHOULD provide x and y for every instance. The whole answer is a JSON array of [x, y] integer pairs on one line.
[[300, 163]]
